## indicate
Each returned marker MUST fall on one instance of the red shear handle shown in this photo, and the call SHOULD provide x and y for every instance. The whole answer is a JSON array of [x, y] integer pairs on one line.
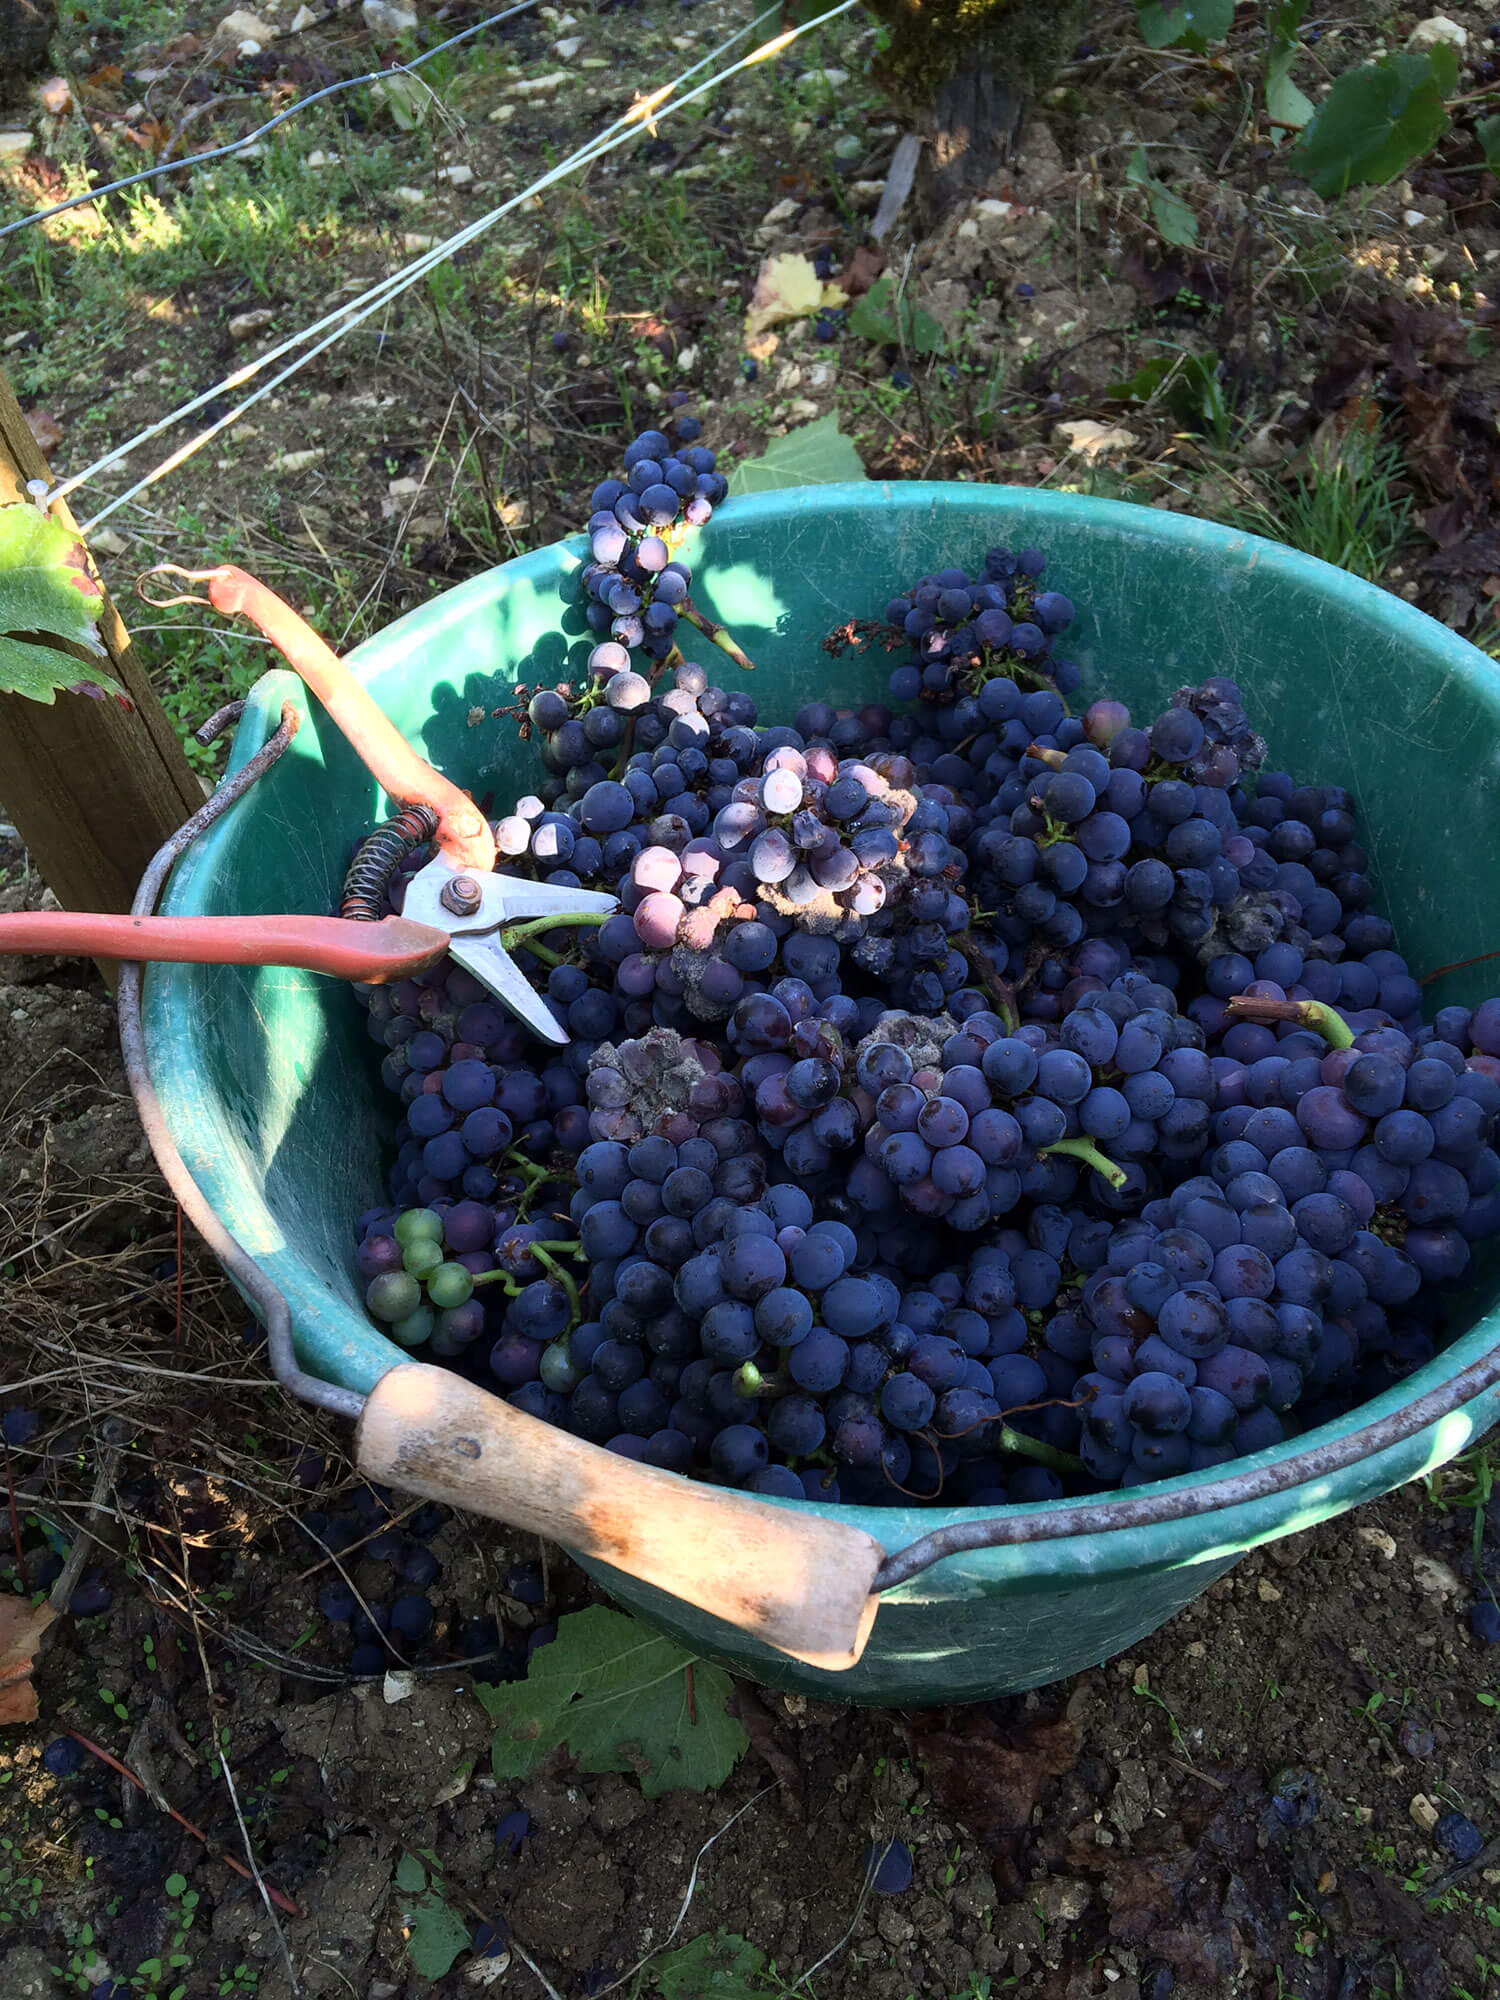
[[376, 954], [464, 839]]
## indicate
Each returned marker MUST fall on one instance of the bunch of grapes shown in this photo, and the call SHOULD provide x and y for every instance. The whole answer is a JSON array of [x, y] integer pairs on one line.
[[982, 1100], [965, 631]]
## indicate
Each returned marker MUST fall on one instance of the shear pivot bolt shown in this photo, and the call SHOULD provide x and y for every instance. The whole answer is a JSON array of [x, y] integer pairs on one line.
[[462, 896]]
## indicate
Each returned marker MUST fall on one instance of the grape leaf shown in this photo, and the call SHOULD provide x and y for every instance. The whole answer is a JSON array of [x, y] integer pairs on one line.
[[1183, 24], [1375, 121], [1487, 132], [885, 315], [47, 589], [1285, 101], [816, 454], [617, 1695], [21, 1629], [438, 1934], [717, 1966], [1175, 221], [410, 1874]]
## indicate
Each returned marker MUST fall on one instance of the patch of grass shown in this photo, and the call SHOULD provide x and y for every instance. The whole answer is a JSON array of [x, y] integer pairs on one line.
[[1345, 508]]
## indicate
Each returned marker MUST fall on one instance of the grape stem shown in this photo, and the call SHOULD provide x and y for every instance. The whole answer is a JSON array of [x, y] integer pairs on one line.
[[675, 658], [717, 634], [502, 1278], [561, 1277], [1044, 1454], [527, 934], [627, 747], [1054, 759], [998, 989], [1315, 1014], [1089, 1153]]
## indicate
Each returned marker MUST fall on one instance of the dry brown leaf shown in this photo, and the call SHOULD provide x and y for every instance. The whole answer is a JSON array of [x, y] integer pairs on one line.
[[45, 428], [21, 1629]]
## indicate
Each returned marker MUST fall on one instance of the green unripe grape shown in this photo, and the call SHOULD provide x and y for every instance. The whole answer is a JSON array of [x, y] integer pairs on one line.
[[449, 1285], [558, 1370], [393, 1295], [413, 1223], [415, 1328], [422, 1255]]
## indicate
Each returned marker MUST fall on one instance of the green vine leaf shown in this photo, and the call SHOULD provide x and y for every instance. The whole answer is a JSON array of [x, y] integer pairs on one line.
[[438, 1935], [1375, 121], [617, 1695], [816, 454], [1183, 24], [719, 1965], [47, 591], [1175, 221], [1487, 132], [884, 315]]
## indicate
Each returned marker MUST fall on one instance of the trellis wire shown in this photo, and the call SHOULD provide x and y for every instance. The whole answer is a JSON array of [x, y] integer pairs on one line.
[[345, 318], [250, 138]]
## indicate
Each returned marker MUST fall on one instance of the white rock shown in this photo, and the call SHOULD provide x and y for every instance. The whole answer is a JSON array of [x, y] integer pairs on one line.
[[968, 228], [108, 543], [388, 17], [1423, 1813], [687, 361], [1378, 1540], [414, 242], [566, 49], [16, 339], [409, 195], [403, 489], [246, 324], [531, 86], [1438, 31], [250, 47], [782, 212], [866, 194], [1093, 440], [502, 114], [458, 176], [1434, 1578], [304, 18], [398, 1685], [297, 461], [14, 144], [318, 158], [242, 26], [1413, 218], [832, 77]]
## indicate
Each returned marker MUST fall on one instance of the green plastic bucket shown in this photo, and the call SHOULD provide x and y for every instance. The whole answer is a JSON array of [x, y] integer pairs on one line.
[[269, 1082]]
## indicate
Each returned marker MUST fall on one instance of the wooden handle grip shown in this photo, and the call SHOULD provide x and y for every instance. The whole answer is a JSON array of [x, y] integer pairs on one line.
[[801, 1584], [375, 953]]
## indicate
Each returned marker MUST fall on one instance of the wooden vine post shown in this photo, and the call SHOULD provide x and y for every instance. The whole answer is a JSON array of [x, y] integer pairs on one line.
[[93, 790]]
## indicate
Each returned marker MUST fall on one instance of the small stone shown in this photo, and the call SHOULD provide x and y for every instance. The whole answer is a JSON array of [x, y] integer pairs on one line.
[[409, 195], [849, 147], [782, 212], [1437, 31], [247, 324], [318, 158], [1140, 1680], [14, 144], [304, 18], [1434, 1578], [1267, 1592], [1093, 440], [533, 86], [388, 17], [458, 176], [566, 49], [413, 242], [968, 229], [241, 27], [297, 461], [1379, 1541], [687, 361], [1328, 1881], [1196, 1650], [403, 489], [1423, 1813], [1414, 218], [55, 96], [502, 114], [108, 543], [832, 77], [866, 194]]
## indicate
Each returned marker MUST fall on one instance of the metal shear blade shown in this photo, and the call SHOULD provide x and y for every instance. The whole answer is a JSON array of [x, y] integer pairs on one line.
[[473, 909]]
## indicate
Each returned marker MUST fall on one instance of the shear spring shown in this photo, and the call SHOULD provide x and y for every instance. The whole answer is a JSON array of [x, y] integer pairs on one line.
[[380, 855]]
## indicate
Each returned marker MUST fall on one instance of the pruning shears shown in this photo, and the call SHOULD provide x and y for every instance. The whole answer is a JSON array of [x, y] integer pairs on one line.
[[456, 905]]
